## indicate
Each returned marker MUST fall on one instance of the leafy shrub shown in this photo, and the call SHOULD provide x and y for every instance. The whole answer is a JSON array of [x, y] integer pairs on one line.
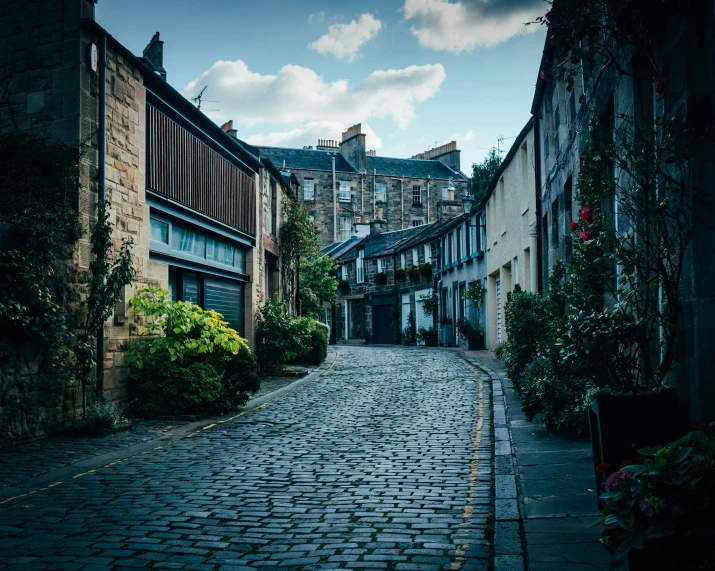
[[426, 270], [344, 285], [98, 415], [499, 350], [190, 360], [400, 274], [409, 334], [380, 278], [282, 339], [414, 274], [428, 336], [526, 314]]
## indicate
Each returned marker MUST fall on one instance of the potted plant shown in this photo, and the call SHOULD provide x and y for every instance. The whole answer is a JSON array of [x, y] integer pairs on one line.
[[380, 278], [658, 511], [427, 336], [414, 274], [471, 334], [446, 324], [344, 285], [400, 274], [426, 270]]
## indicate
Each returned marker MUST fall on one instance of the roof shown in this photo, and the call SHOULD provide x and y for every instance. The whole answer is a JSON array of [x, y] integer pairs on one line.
[[336, 249], [507, 160], [540, 82], [308, 159], [386, 242], [412, 168]]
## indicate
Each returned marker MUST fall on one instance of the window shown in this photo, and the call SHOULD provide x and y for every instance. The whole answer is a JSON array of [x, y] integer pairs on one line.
[[428, 253], [360, 267], [381, 192], [482, 232], [467, 236], [312, 218], [417, 222], [220, 252], [159, 231], [308, 189], [380, 266], [515, 270], [403, 263], [445, 193], [458, 257], [344, 191], [189, 242], [453, 247], [417, 196], [344, 272], [415, 257], [345, 228]]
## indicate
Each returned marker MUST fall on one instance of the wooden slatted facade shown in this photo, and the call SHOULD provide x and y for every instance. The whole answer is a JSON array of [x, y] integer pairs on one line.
[[186, 170]]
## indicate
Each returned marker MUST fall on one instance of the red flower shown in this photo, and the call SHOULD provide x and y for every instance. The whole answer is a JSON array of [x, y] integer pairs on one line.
[[603, 468], [587, 215], [660, 86], [573, 226], [546, 74], [702, 427], [585, 236], [627, 463]]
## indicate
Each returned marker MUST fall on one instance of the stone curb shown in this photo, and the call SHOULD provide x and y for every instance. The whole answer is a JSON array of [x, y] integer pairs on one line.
[[508, 533], [55, 477]]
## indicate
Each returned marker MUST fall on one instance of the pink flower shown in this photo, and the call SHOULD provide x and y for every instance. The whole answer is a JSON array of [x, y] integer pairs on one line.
[[616, 480], [586, 236], [573, 226], [546, 74], [660, 86], [587, 215]]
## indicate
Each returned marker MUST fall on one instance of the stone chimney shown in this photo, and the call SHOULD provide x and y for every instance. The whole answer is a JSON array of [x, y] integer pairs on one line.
[[353, 146], [377, 226], [154, 52], [327, 145], [449, 208], [229, 130], [447, 153]]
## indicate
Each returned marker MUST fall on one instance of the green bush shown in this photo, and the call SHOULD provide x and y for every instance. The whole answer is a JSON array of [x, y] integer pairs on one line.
[[428, 336], [190, 361], [527, 319], [282, 339], [98, 415]]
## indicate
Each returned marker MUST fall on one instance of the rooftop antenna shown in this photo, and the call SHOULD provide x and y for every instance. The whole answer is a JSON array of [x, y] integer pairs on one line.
[[199, 99]]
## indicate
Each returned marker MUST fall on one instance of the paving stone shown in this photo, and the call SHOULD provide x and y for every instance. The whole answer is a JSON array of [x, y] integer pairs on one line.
[[367, 467]]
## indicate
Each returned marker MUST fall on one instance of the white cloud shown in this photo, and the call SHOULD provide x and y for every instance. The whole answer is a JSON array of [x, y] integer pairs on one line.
[[345, 40], [459, 137], [297, 95], [466, 24], [309, 134]]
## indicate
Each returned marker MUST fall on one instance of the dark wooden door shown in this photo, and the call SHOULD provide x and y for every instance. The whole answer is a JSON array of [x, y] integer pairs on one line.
[[383, 324]]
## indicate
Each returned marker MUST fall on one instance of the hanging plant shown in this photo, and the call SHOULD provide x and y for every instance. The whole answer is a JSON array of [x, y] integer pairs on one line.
[[400, 274], [380, 278], [414, 274], [344, 285], [426, 270]]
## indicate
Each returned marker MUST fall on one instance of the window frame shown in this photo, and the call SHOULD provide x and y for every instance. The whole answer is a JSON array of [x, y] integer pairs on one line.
[[360, 267], [344, 197], [348, 221], [380, 192], [310, 197], [416, 194], [380, 265]]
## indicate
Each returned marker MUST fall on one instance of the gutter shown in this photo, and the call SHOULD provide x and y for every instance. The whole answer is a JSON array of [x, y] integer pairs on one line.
[[335, 207]]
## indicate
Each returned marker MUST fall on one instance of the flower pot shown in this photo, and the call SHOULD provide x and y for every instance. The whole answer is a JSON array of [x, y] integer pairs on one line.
[[476, 343], [622, 424]]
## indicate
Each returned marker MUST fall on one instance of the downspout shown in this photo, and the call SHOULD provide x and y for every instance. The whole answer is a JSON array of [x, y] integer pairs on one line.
[[537, 189], [402, 200], [374, 193], [335, 207], [362, 197], [101, 194], [428, 177]]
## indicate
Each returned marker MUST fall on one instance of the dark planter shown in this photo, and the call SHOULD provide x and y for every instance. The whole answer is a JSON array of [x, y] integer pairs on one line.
[[476, 343], [620, 425], [673, 553]]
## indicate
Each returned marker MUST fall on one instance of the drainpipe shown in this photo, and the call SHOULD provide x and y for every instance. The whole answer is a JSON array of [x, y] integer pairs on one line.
[[428, 177], [101, 194], [362, 197], [402, 200], [374, 193], [335, 207], [537, 176]]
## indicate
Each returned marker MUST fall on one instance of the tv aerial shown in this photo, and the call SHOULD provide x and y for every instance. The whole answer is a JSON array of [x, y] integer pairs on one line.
[[199, 100]]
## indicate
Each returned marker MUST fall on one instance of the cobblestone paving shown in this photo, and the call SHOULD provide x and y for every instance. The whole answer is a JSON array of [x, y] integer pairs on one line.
[[381, 463]]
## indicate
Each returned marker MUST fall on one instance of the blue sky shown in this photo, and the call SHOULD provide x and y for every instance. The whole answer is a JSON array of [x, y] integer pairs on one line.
[[414, 72]]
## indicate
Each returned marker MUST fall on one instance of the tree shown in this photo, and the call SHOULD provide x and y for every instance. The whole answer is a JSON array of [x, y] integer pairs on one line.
[[483, 173], [298, 240], [317, 285]]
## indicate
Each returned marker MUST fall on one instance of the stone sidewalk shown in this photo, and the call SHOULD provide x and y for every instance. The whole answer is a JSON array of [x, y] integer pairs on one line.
[[545, 489]]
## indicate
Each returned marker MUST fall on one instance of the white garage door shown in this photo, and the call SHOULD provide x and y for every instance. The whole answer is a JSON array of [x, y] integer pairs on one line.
[[422, 319], [405, 313]]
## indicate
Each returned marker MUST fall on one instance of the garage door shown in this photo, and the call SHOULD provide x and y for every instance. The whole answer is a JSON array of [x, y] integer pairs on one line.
[[422, 319], [405, 313], [226, 297]]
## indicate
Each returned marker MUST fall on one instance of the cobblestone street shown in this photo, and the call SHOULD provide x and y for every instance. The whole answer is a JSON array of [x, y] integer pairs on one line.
[[383, 462]]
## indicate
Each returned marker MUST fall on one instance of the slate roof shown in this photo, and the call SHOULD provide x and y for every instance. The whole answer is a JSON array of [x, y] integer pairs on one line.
[[309, 159], [432, 232], [413, 168]]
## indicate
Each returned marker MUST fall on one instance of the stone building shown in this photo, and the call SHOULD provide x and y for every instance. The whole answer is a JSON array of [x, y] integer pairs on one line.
[[344, 186], [685, 49], [202, 211], [511, 225]]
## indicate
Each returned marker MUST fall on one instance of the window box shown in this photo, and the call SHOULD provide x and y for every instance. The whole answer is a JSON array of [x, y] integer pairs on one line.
[[400, 274], [426, 270], [414, 274], [380, 279]]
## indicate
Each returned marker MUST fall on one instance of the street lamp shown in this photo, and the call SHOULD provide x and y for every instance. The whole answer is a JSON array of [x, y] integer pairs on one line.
[[467, 203]]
